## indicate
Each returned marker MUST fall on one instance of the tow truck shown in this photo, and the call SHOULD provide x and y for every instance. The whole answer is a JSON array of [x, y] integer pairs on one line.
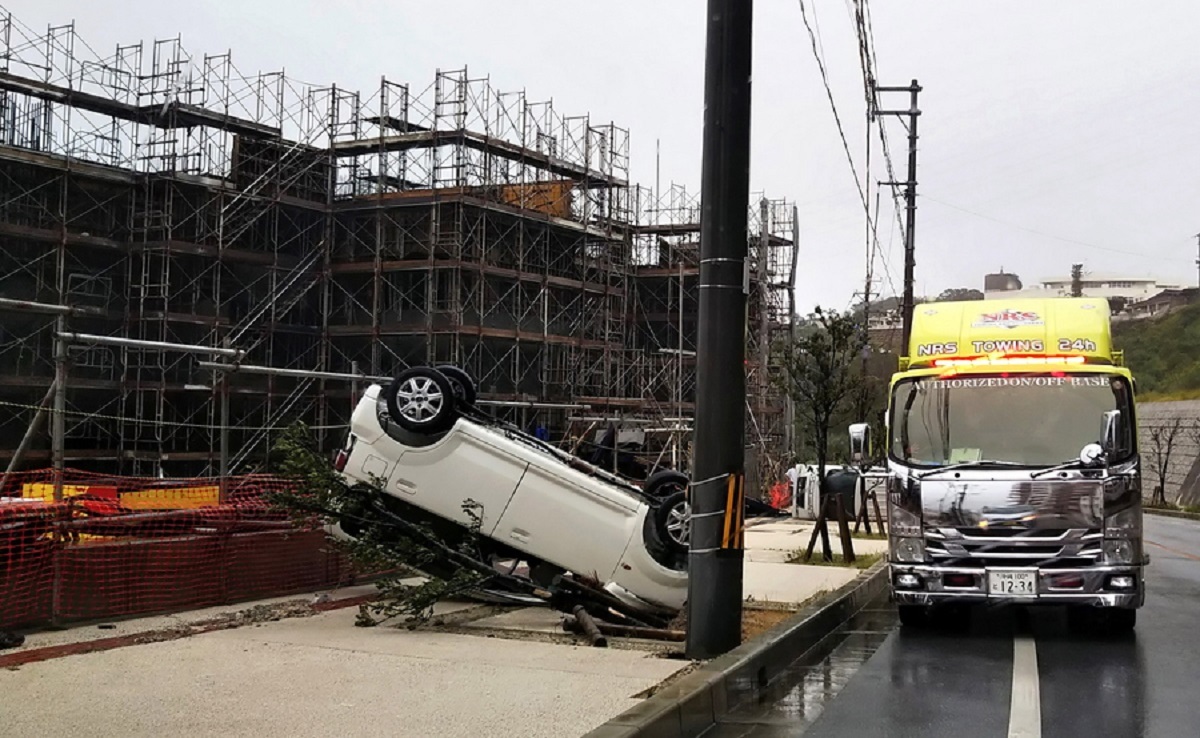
[[1013, 472]]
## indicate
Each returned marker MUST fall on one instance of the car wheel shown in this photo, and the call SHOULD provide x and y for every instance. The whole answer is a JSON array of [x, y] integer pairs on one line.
[[421, 400], [464, 386], [664, 483], [673, 519]]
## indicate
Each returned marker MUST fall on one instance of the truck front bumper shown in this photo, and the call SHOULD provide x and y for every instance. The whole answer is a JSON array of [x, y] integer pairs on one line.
[[1096, 586]]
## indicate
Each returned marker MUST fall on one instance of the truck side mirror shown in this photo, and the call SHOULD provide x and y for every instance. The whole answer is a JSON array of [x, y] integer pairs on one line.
[[860, 443], [1110, 438]]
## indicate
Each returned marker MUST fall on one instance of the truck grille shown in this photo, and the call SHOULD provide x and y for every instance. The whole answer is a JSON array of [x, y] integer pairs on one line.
[[977, 547]]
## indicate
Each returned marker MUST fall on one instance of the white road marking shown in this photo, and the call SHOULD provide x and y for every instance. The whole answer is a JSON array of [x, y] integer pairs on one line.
[[1025, 714]]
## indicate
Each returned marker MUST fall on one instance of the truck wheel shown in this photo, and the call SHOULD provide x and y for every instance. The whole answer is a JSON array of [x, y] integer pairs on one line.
[[913, 616], [673, 522], [1121, 620], [421, 400], [464, 386], [1096, 620], [666, 482]]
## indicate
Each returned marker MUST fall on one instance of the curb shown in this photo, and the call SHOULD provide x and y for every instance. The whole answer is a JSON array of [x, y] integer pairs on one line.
[[696, 702], [1182, 514]]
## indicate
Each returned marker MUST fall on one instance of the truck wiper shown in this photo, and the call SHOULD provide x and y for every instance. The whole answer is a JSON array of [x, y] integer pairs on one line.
[[968, 465], [1072, 464]]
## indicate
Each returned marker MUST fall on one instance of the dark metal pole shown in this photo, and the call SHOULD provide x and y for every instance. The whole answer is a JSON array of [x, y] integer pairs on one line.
[[714, 608], [224, 439], [910, 230], [58, 421]]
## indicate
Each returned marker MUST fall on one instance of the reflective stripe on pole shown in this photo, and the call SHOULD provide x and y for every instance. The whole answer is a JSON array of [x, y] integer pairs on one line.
[[734, 534]]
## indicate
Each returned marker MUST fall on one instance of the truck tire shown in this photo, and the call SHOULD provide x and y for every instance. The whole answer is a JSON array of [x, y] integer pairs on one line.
[[421, 400], [913, 616], [1120, 621], [1105, 621], [464, 387]]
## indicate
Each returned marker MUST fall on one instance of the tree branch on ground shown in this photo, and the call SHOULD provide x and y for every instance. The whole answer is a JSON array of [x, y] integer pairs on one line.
[[320, 495]]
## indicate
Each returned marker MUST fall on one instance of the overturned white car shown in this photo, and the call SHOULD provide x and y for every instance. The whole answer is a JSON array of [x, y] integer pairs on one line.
[[423, 441]]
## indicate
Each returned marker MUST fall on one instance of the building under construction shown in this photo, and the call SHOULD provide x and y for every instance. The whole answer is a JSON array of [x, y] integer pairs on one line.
[[164, 217]]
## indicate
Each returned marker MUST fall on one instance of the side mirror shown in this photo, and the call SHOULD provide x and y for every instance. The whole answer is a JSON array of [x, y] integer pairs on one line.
[[860, 443], [1111, 435]]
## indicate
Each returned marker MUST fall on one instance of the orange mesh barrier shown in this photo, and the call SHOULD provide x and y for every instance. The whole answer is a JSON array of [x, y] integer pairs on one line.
[[118, 546]]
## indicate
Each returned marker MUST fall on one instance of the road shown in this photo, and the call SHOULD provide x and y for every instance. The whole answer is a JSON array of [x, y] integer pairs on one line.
[[1010, 673]]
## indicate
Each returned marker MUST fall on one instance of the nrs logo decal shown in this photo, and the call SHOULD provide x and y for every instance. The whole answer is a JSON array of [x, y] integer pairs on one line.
[[1007, 319]]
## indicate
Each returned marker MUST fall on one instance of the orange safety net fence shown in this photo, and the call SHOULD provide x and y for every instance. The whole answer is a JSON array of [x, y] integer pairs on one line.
[[118, 546]]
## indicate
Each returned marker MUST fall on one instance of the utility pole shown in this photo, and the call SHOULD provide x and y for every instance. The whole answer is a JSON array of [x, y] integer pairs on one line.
[[910, 197], [714, 606], [1198, 259]]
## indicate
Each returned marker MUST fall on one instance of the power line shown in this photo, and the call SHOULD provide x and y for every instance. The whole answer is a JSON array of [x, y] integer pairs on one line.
[[833, 105], [817, 55], [866, 45]]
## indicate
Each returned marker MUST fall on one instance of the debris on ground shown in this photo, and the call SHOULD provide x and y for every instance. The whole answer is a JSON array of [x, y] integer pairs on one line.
[[755, 622]]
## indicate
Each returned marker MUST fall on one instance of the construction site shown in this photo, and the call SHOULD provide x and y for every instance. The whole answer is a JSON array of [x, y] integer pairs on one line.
[[193, 258]]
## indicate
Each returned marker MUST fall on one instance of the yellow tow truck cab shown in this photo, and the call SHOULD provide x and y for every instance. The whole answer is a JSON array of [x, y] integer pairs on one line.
[[1012, 462]]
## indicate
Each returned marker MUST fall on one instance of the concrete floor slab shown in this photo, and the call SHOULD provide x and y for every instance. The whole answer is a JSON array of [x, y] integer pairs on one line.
[[527, 619], [793, 582], [322, 676], [767, 556]]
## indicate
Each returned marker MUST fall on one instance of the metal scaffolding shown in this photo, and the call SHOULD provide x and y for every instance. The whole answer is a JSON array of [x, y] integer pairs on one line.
[[163, 198]]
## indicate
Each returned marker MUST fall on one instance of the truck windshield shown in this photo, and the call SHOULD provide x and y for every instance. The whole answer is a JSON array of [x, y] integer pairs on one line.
[[1032, 420]]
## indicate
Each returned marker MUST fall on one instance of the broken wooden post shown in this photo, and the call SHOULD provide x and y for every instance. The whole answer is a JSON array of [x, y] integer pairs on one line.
[[584, 618]]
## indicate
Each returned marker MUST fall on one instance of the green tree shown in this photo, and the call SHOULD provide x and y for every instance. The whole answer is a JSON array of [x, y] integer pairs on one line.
[[825, 376], [957, 294]]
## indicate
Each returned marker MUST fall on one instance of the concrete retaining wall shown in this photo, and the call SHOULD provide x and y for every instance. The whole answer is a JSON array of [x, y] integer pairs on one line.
[[1183, 471]]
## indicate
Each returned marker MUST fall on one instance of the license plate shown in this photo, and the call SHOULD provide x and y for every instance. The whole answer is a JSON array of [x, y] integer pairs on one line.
[[1012, 583]]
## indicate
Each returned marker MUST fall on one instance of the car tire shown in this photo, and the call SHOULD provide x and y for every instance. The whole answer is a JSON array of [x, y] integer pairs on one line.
[[664, 483], [672, 522], [421, 400], [464, 387]]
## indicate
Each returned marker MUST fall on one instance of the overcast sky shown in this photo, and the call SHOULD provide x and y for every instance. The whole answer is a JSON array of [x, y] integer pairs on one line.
[[1051, 132]]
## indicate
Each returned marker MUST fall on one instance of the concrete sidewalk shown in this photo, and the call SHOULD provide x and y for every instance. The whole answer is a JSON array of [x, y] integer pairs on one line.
[[515, 673], [322, 676]]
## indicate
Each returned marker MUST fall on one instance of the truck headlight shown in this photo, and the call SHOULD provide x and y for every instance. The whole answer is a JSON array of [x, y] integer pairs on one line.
[[908, 550], [903, 523], [1124, 524], [1121, 551]]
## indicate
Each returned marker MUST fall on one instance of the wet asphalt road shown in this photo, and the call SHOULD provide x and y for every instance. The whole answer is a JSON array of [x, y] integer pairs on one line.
[[1011, 673]]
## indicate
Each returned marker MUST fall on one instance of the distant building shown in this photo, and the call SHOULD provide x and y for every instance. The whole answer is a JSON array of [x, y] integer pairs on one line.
[[1001, 281], [1164, 302], [1133, 289]]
